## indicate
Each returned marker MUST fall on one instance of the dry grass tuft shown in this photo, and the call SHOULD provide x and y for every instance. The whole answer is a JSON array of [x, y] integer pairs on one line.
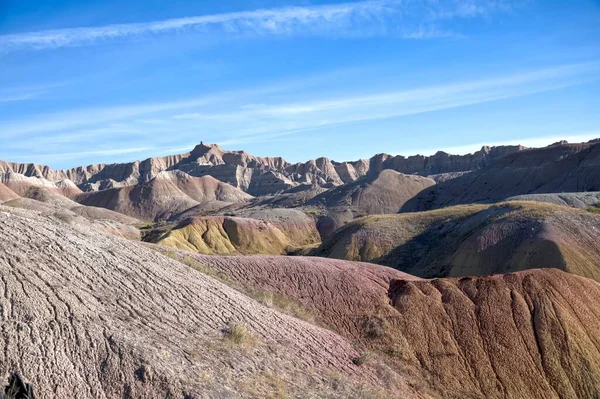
[[594, 208], [237, 333]]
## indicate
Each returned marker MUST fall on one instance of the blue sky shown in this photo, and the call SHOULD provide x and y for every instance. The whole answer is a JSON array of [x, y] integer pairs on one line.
[[86, 82]]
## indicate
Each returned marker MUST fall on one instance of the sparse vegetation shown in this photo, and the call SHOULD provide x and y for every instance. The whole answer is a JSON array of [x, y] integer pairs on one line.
[[282, 303], [17, 389], [374, 327], [594, 208], [237, 334], [266, 385]]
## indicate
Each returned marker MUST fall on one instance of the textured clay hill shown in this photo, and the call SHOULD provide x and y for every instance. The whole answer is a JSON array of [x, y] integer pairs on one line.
[[531, 334], [239, 229], [561, 168], [321, 286], [380, 193], [223, 235], [474, 240], [168, 194], [92, 316]]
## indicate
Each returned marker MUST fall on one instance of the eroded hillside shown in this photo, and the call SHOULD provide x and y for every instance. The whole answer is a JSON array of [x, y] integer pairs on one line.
[[92, 316]]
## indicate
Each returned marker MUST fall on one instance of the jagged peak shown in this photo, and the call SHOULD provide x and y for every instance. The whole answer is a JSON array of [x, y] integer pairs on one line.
[[202, 149]]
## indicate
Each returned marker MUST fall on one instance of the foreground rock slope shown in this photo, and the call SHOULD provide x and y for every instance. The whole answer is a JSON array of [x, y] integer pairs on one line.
[[530, 334], [92, 316]]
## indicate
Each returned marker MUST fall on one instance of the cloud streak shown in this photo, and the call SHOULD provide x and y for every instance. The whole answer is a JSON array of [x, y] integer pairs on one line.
[[411, 19], [238, 118]]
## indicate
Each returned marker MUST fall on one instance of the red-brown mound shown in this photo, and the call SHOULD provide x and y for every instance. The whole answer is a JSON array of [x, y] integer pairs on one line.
[[343, 294], [533, 334]]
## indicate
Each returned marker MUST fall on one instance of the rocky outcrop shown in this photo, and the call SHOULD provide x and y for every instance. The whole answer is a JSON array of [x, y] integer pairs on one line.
[[474, 240], [257, 176]]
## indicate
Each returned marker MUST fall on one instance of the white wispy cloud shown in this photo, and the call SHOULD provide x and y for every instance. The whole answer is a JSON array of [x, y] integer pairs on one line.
[[407, 102], [235, 118], [413, 19], [11, 94]]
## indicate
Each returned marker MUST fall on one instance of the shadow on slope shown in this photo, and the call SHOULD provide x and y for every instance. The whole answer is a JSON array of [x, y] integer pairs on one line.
[[474, 240]]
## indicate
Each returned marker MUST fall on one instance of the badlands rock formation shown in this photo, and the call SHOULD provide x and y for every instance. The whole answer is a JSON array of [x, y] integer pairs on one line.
[[256, 175], [92, 316], [474, 240]]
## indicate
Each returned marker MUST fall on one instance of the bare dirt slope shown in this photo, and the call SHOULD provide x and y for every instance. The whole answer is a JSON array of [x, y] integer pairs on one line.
[[6, 194], [321, 285], [474, 240], [531, 334], [168, 194], [92, 316]]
